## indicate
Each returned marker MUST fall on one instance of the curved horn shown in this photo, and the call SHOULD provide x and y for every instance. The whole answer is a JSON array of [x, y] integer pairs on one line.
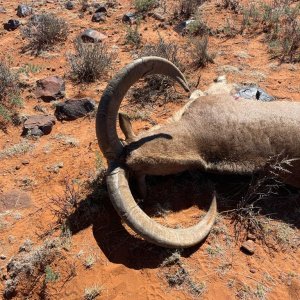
[[108, 140], [150, 230]]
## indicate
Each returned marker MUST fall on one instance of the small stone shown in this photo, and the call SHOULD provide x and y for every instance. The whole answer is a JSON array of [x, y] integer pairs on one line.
[[99, 17], [248, 247], [2, 256], [18, 167], [92, 36], [2, 10], [158, 17], [74, 109], [24, 10], [129, 18], [252, 270], [251, 237], [15, 199], [69, 5], [38, 125], [100, 8], [50, 88], [12, 24]]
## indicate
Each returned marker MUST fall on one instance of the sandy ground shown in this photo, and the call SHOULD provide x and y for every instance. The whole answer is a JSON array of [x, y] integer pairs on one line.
[[100, 252]]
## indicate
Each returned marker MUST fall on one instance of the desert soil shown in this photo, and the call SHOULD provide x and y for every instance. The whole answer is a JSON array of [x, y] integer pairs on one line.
[[101, 252]]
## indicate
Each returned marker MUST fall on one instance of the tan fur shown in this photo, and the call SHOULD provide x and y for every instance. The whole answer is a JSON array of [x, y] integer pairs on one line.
[[222, 135]]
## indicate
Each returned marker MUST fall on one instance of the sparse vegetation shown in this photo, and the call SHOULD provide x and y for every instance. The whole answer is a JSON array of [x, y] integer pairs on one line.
[[142, 6], [231, 4], [17, 149], [158, 87], [44, 31], [188, 7], [197, 27], [200, 55], [279, 20], [92, 292], [30, 69], [10, 98], [67, 140], [133, 36], [263, 191], [50, 275], [90, 61], [89, 261]]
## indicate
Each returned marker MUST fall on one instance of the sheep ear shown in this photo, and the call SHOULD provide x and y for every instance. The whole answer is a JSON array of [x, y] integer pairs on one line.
[[126, 127]]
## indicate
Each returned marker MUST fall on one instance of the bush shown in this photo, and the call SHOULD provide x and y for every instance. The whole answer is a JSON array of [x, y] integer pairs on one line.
[[44, 31], [279, 20], [200, 54], [90, 61], [143, 6], [133, 36], [197, 27], [189, 7], [157, 87], [9, 95]]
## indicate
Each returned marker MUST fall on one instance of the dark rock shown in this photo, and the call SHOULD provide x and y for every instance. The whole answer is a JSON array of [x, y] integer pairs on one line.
[[74, 109], [24, 10], [129, 18], [2, 256], [69, 5], [99, 17], [12, 25], [101, 7], [14, 199], [50, 88], [248, 247], [92, 36], [38, 125], [25, 162], [253, 93]]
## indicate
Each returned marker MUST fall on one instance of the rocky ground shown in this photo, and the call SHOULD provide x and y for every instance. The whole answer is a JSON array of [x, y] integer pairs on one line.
[[60, 236]]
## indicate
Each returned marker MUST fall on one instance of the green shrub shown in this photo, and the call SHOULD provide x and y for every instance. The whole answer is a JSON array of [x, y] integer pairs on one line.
[[9, 95], [133, 36], [143, 6]]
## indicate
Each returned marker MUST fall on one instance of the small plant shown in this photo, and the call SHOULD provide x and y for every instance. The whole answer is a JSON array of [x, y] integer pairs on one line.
[[63, 206], [142, 6], [214, 251], [29, 68], [189, 7], [9, 95], [90, 61], [67, 140], [200, 55], [92, 292], [133, 36], [197, 27], [158, 87], [50, 275], [17, 149], [44, 31], [231, 5], [89, 261]]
